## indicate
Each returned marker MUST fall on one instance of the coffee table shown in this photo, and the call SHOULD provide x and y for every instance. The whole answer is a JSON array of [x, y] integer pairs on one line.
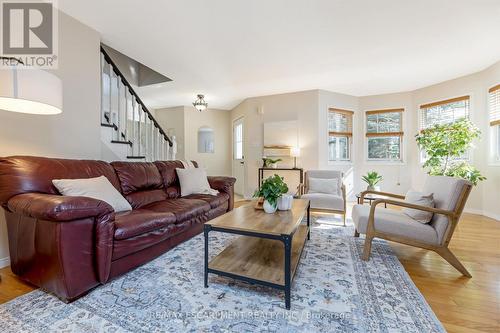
[[268, 250]]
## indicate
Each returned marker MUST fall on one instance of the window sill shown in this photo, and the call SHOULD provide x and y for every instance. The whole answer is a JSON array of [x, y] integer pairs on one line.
[[371, 162], [340, 163]]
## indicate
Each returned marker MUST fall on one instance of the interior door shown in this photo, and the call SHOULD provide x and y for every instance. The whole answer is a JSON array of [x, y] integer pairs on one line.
[[238, 157]]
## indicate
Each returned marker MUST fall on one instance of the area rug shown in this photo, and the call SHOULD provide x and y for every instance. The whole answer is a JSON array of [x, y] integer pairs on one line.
[[333, 291]]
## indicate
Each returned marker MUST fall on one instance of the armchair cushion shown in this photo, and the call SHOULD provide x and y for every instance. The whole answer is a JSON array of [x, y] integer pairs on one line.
[[394, 222], [325, 201], [420, 199], [328, 186]]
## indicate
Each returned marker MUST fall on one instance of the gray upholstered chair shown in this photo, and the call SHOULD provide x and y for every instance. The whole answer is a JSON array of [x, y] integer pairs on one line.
[[450, 196], [334, 203]]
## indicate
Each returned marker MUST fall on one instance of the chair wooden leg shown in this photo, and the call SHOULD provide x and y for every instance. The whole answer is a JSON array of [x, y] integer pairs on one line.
[[452, 260], [344, 219], [367, 248], [356, 233]]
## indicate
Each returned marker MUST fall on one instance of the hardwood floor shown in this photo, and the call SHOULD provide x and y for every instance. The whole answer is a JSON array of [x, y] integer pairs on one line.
[[461, 304]]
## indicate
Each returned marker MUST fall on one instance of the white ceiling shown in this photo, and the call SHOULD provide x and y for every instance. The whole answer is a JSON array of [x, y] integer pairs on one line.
[[234, 49]]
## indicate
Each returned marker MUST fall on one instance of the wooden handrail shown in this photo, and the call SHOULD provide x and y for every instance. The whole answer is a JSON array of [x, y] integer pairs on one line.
[[132, 91]]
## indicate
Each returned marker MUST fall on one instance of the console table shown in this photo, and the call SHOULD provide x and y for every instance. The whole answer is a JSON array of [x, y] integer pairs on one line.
[[299, 170]]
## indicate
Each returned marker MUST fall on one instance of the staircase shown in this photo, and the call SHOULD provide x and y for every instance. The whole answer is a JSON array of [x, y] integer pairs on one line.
[[129, 130]]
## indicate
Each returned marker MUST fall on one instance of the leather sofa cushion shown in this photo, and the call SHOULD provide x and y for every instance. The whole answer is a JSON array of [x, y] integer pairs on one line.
[[26, 174], [139, 221], [183, 209], [125, 247], [137, 176], [213, 200]]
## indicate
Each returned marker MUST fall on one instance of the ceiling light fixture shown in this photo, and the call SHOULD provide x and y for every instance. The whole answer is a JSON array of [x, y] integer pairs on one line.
[[29, 90], [200, 103]]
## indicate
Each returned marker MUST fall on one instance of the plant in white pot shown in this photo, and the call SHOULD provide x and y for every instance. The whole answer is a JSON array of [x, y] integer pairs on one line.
[[372, 178], [271, 190]]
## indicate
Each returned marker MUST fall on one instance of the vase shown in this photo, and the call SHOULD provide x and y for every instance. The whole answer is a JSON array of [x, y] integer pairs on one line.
[[285, 202], [268, 208], [274, 165], [373, 188]]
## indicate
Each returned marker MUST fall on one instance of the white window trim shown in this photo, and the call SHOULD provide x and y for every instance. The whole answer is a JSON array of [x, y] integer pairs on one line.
[[402, 160], [421, 160], [351, 141]]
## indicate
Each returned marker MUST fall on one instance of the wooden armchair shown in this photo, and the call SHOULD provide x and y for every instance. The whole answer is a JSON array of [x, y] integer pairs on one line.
[[450, 196], [325, 202]]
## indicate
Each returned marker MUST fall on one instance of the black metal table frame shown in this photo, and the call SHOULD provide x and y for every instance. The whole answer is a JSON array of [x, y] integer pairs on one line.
[[261, 173], [370, 200], [287, 242]]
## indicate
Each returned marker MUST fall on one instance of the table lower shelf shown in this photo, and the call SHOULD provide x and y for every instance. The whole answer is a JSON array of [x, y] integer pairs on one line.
[[259, 258]]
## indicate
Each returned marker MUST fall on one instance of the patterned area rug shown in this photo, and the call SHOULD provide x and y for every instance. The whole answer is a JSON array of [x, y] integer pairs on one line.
[[333, 291]]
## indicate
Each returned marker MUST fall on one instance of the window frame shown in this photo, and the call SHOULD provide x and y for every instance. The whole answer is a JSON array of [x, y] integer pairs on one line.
[[348, 135], [494, 126], [399, 134], [420, 124]]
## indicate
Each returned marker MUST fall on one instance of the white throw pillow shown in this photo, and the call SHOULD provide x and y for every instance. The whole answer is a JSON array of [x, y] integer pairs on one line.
[[98, 188], [194, 181], [420, 199], [320, 185]]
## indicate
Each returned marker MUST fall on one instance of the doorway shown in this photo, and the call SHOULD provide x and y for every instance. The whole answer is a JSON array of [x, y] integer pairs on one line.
[[238, 157]]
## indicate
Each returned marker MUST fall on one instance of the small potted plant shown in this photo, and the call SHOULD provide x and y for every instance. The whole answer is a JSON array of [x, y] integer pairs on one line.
[[270, 163], [372, 178], [271, 189]]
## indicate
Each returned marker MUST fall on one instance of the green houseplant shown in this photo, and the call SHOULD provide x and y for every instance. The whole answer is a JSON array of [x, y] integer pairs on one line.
[[372, 178], [271, 189], [271, 163], [445, 145]]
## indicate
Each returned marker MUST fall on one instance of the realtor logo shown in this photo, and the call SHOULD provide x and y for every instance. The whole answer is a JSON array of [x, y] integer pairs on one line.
[[29, 32]]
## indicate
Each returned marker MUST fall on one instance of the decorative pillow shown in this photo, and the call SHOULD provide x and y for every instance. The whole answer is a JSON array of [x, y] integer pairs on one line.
[[98, 188], [420, 199], [194, 181], [320, 185]]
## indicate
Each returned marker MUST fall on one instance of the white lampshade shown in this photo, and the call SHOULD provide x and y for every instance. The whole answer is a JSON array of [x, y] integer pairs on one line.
[[295, 152], [30, 91]]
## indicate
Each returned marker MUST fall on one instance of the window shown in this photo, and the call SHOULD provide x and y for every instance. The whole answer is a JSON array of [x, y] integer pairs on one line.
[[494, 107], [444, 112], [339, 134], [238, 140], [384, 134]]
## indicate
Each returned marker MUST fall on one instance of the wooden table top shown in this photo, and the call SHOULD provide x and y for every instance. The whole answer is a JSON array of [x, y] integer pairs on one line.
[[247, 218]]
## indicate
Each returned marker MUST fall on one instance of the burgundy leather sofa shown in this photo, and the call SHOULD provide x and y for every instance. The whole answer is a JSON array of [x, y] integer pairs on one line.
[[69, 245]]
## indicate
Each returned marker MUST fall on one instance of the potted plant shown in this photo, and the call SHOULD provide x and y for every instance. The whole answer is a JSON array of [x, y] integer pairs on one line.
[[271, 189], [445, 147], [372, 178], [270, 163]]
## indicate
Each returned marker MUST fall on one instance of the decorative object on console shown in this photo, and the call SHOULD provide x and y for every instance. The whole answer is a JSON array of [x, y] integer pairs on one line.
[[271, 189], [444, 145], [200, 103], [97, 188], [270, 163], [295, 152], [27, 89], [372, 178]]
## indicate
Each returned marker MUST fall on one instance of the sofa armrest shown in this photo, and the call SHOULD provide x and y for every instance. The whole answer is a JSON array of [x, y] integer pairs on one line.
[[224, 184], [58, 208], [62, 210]]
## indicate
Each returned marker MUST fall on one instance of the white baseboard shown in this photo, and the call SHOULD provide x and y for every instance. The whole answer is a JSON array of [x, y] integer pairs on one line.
[[4, 262], [482, 212]]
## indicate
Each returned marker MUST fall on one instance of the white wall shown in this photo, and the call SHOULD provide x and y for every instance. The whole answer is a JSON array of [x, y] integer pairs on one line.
[[217, 163], [311, 109], [76, 132], [186, 121], [172, 119], [301, 106], [484, 197]]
